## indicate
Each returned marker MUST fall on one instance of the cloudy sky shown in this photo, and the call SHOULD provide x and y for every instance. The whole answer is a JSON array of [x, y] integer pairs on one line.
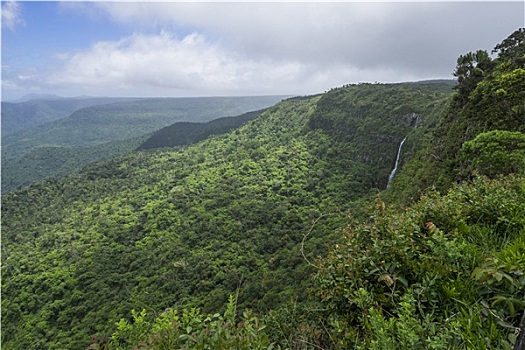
[[238, 48]]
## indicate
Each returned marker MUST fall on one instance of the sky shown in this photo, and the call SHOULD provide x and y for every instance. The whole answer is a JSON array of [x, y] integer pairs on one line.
[[176, 49]]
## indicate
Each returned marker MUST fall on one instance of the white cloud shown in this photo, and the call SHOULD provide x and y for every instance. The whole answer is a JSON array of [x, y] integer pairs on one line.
[[163, 64], [8, 84], [363, 34], [269, 48], [11, 15]]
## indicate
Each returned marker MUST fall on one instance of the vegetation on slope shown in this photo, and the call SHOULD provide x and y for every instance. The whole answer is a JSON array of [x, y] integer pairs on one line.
[[117, 125], [490, 96], [17, 116], [377, 117], [247, 213], [187, 227], [187, 133], [56, 161], [119, 121], [447, 272]]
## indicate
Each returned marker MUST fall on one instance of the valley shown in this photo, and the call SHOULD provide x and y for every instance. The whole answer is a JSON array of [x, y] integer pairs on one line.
[[107, 128], [281, 228]]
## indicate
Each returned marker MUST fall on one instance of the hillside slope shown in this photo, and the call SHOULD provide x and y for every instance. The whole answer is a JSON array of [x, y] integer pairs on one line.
[[59, 161], [490, 96], [123, 120], [186, 133], [189, 226], [115, 123], [447, 271], [247, 213], [17, 116]]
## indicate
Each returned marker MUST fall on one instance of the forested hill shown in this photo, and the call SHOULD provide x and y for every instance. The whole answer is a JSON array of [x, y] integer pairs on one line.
[[187, 227], [477, 129], [186, 133], [290, 215], [448, 271], [17, 116], [100, 131], [123, 120]]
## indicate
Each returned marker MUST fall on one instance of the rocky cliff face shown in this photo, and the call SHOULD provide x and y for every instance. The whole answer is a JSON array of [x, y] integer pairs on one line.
[[373, 119]]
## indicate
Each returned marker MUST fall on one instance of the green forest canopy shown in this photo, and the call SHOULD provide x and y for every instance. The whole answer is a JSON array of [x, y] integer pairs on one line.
[[291, 195]]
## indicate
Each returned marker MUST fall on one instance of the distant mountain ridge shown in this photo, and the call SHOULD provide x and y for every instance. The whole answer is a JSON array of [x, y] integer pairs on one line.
[[186, 133], [27, 114], [98, 124], [30, 97]]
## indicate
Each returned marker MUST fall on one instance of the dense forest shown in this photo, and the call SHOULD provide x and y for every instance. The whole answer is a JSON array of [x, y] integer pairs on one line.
[[186, 133], [91, 129], [286, 232]]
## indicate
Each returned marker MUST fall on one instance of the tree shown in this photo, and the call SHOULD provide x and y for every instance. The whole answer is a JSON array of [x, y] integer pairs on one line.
[[512, 50], [493, 153], [471, 68]]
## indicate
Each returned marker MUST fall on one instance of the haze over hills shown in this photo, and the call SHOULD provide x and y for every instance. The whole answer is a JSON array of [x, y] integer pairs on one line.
[[31, 111], [289, 216], [90, 125], [85, 131], [30, 97]]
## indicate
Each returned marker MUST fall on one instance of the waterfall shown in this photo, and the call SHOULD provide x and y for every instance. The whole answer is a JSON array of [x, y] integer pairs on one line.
[[393, 173]]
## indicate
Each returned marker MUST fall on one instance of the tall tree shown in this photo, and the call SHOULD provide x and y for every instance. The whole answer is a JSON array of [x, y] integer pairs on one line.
[[471, 68], [512, 50]]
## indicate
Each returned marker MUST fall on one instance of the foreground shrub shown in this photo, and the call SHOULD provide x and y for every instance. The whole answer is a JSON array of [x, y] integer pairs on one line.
[[445, 273], [190, 330]]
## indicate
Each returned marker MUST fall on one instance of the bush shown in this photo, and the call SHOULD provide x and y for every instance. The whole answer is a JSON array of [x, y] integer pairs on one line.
[[493, 153], [411, 279], [190, 330]]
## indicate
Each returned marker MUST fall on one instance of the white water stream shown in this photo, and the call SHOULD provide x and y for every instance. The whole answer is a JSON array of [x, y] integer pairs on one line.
[[393, 173]]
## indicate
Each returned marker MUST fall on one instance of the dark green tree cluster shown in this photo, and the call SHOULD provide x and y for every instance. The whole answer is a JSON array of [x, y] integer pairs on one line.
[[494, 153], [58, 161], [187, 133]]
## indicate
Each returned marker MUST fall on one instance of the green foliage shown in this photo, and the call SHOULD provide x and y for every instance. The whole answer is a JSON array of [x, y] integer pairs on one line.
[[183, 227], [102, 131], [407, 279], [470, 70], [511, 51], [407, 331], [375, 118], [493, 153], [251, 210], [503, 283], [498, 102], [190, 330], [186, 133], [298, 325], [57, 161], [490, 96]]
